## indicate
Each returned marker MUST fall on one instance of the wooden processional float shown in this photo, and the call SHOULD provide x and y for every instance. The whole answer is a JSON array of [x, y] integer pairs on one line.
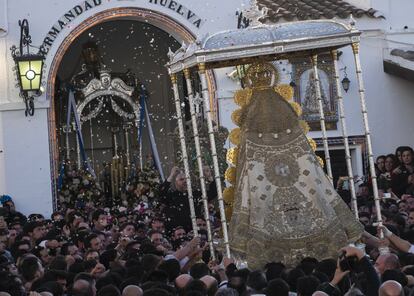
[[268, 43]]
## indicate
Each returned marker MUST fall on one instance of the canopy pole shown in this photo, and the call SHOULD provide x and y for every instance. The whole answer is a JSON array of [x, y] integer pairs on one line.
[[351, 183], [203, 78], [199, 161], [322, 117], [66, 129], [184, 152], [91, 136], [127, 148], [77, 146], [137, 122], [355, 49]]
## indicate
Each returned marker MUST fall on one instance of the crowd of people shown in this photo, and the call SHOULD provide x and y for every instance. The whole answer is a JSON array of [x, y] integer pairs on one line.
[[147, 247]]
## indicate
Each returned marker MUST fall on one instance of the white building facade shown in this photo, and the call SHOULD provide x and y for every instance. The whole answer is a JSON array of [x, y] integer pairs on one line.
[[27, 160]]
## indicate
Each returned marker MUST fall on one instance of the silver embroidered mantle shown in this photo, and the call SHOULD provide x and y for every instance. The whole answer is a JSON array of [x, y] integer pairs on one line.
[[285, 207]]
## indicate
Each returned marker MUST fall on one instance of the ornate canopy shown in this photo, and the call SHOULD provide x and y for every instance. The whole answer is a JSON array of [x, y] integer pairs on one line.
[[234, 47]]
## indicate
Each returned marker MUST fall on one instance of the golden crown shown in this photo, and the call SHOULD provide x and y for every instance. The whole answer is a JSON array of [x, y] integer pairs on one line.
[[261, 74]]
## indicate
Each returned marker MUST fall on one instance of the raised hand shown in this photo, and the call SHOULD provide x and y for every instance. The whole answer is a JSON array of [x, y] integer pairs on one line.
[[339, 275]]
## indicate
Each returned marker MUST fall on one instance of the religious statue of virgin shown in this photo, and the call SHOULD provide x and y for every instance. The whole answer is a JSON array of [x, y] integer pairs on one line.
[[285, 207]]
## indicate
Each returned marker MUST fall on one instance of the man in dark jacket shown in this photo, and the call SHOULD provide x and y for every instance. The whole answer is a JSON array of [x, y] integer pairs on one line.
[[174, 198], [363, 266]]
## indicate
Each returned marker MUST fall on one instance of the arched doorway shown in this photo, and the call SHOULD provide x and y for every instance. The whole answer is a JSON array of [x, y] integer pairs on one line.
[[150, 25]]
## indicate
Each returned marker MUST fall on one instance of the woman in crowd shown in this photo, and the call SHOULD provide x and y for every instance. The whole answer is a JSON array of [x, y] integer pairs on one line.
[[380, 165], [384, 180]]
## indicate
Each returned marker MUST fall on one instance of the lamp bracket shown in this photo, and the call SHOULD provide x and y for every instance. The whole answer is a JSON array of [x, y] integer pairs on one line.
[[28, 100], [25, 39], [344, 70]]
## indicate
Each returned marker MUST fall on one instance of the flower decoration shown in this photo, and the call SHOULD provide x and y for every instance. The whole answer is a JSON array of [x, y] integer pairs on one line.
[[305, 126], [296, 107], [232, 155], [242, 97], [230, 175], [312, 143], [235, 136], [285, 91], [236, 117], [320, 160]]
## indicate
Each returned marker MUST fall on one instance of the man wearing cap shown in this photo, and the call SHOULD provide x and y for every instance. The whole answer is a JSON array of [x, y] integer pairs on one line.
[[9, 205]]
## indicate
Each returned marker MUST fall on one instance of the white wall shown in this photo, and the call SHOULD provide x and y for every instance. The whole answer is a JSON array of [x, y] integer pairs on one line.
[[398, 13], [3, 17], [389, 99], [24, 164], [27, 164], [4, 81], [2, 159]]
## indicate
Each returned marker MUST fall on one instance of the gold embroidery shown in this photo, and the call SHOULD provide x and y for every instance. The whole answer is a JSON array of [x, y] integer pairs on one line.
[[280, 211], [282, 170]]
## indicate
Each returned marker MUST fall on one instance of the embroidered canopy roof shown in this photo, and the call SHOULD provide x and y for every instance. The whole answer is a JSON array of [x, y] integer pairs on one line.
[[238, 46]]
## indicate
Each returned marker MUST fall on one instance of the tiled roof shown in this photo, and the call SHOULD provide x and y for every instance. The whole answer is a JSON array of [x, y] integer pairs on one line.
[[312, 9]]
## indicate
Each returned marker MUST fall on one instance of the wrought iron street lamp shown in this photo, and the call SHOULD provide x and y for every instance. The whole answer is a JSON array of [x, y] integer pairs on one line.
[[345, 82], [28, 67]]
